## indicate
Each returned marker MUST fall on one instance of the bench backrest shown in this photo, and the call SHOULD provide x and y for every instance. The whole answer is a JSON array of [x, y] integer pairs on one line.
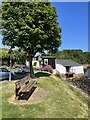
[[22, 82]]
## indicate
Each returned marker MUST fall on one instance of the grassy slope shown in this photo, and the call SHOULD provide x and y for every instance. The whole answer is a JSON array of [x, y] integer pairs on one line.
[[62, 101]]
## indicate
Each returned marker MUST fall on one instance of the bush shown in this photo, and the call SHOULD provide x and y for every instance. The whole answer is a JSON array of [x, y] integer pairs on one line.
[[35, 64], [47, 68]]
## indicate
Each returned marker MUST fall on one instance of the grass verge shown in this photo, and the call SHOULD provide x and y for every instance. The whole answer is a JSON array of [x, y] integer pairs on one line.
[[61, 102]]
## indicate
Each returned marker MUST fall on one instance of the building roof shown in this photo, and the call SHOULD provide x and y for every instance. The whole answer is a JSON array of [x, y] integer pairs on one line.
[[48, 57], [67, 62]]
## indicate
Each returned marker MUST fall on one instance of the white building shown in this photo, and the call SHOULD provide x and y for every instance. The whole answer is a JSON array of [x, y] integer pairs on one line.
[[66, 65], [35, 62]]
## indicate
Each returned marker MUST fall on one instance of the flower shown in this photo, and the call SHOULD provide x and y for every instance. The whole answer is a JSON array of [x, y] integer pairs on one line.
[[47, 68]]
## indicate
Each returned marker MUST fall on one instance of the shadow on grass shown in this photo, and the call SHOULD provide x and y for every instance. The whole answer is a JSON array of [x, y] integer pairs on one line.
[[42, 74]]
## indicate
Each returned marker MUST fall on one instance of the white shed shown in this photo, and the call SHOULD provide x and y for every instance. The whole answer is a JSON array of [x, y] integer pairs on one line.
[[66, 65], [35, 62]]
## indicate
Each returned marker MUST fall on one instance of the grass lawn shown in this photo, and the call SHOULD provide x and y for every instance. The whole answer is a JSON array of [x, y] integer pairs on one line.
[[62, 101]]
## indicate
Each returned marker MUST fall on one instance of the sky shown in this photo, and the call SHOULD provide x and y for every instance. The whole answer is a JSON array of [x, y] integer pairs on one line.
[[73, 19]]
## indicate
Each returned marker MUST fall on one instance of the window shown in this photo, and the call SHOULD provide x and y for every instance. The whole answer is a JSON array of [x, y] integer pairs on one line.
[[45, 61]]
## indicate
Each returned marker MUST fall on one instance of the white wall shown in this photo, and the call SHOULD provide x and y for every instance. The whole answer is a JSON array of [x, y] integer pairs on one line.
[[37, 65], [61, 68], [27, 63], [77, 69]]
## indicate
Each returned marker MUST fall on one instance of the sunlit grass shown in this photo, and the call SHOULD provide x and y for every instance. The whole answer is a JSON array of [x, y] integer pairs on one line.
[[62, 101]]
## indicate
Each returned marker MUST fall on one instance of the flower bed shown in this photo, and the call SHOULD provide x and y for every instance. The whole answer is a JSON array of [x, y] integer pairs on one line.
[[47, 68]]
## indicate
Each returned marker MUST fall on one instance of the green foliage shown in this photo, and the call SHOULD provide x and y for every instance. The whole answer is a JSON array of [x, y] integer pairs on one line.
[[19, 56], [76, 55], [31, 26], [4, 54], [35, 63], [87, 57]]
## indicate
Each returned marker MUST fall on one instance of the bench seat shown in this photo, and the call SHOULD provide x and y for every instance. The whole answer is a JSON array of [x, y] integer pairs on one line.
[[28, 87], [24, 85]]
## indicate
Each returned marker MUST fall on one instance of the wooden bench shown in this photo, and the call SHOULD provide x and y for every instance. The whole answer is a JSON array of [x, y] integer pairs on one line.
[[23, 86]]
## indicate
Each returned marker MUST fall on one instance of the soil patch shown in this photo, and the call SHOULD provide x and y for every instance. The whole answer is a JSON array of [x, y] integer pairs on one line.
[[38, 95]]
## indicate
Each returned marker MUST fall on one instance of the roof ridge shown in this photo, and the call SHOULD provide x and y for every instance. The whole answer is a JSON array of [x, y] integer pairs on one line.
[[67, 62]]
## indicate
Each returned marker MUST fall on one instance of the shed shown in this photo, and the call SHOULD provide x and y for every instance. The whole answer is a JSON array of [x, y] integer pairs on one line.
[[49, 60], [35, 61], [67, 65]]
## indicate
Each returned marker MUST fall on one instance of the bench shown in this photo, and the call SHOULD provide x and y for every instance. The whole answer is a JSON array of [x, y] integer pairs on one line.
[[23, 86]]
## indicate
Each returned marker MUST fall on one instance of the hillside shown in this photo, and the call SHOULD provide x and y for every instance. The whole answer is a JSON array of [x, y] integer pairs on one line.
[[62, 101]]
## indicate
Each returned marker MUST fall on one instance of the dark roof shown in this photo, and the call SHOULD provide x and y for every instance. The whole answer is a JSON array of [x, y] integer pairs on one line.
[[48, 57], [67, 62]]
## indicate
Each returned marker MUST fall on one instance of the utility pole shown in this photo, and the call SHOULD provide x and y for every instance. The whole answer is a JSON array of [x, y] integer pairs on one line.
[[10, 67], [10, 52]]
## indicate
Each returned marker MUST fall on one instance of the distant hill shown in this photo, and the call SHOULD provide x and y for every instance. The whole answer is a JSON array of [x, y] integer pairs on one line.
[[76, 55]]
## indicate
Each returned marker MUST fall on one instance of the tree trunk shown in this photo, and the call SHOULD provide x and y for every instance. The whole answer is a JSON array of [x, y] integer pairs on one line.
[[31, 67]]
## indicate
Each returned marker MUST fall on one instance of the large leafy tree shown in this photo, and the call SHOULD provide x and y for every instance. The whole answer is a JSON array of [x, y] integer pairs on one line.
[[31, 26]]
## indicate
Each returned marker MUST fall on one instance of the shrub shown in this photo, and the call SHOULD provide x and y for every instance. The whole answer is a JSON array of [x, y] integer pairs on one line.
[[47, 68], [35, 64]]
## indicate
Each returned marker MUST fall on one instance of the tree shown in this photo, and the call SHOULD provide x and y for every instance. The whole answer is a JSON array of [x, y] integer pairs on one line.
[[18, 56], [31, 26], [76, 55]]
